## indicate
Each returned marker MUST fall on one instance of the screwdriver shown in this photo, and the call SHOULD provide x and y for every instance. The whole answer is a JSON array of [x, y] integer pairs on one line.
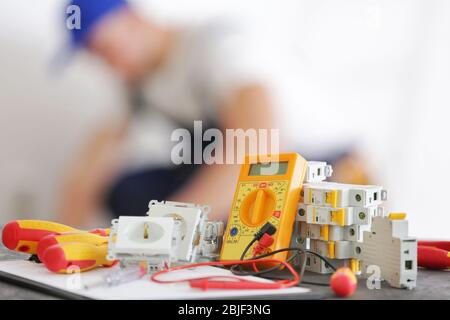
[[433, 254], [72, 257], [119, 277], [24, 235], [84, 237]]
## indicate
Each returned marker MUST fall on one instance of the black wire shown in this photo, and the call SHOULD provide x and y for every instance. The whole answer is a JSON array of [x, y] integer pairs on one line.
[[247, 248], [258, 273], [243, 272], [286, 249], [301, 250], [298, 250], [323, 258], [252, 273], [322, 284]]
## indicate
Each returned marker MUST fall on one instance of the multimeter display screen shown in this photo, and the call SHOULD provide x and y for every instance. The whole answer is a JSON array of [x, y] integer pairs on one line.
[[268, 169]]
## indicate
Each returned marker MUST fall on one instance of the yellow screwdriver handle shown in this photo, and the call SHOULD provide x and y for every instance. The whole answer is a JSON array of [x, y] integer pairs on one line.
[[73, 257]]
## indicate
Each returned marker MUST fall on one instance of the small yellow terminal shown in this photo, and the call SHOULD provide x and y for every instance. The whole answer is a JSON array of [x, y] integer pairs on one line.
[[331, 248], [338, 217], [397, 216], [324, 232], [355, 265], [331, 198]]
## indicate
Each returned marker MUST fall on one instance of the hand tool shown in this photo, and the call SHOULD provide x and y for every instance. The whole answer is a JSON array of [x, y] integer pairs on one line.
[[343, 282], [73, 257], [24, 235], [433, 254], [118, 277], [84, 237]]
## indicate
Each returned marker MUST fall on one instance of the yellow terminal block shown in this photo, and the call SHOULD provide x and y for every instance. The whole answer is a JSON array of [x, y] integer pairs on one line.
[[355, 265], [397, 216], [324, 232], [327, 232], [336, 249], [316, 265], [338, 217], [331, 198], [331, 250]]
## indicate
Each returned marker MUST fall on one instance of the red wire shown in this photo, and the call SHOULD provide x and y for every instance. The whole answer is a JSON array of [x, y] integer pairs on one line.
[[276, 285]]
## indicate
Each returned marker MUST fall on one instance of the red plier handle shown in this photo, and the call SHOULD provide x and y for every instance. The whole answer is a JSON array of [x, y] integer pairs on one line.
[[433, 254]]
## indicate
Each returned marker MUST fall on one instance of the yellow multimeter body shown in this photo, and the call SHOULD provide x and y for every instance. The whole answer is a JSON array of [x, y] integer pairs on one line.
[[268, 190]]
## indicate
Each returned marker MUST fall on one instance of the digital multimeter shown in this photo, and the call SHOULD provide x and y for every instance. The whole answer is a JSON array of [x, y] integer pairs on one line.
[[267, 191]]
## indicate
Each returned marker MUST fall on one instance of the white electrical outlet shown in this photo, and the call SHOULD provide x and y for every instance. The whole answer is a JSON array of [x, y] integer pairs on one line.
[[189, 219], [138, 238]]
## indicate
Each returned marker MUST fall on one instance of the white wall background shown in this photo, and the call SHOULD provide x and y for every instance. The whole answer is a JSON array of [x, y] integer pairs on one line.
[[371, 73], [44, 116]]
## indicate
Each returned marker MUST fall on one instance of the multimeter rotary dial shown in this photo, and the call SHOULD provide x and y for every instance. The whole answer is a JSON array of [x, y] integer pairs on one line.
[[257, 207]]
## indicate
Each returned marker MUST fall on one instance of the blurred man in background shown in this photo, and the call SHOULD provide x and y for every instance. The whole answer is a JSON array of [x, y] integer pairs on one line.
[[176, 77], [370, 76]]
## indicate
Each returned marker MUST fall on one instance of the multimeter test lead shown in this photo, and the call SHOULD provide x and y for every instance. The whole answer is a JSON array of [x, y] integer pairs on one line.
[[116, 278]]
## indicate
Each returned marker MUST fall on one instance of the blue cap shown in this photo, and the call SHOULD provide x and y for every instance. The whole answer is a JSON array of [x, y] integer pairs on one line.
[[91, 12]]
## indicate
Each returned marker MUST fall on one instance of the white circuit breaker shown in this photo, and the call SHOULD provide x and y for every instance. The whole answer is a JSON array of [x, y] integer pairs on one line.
[[337, 195], [389, 249], [316, 265], [329, 232], [318, 171], [336, 249], [335, 216]]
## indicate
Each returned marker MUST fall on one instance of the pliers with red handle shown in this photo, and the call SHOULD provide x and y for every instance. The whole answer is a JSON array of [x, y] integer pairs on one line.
[[433, 254]]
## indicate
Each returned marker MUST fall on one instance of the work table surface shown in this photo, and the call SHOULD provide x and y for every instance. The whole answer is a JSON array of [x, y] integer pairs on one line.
[[430, 285]]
